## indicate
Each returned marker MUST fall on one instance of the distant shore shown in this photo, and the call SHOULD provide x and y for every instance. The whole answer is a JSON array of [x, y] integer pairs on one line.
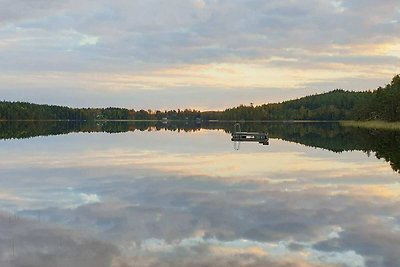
[[382, 125]]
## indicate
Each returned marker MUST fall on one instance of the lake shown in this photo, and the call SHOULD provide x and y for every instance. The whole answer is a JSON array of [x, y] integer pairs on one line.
[[183, 194]]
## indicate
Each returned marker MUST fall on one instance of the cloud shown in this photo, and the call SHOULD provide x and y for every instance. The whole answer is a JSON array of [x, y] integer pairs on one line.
[[327, 40], [200, 4], [29, 243]]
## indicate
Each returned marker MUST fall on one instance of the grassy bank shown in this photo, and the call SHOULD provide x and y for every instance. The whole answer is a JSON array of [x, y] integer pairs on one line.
[[382, 125]]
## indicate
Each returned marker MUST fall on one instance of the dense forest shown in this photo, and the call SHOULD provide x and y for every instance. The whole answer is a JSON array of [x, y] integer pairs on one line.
[[26, 111], [380, 104]]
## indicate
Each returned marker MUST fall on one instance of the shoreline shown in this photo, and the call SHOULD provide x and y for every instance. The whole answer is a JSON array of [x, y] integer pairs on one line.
[[379, 125], [172, 120], [376, 124]]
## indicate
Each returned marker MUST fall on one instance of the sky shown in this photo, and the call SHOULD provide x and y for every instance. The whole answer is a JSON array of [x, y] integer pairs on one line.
[[203, 54]]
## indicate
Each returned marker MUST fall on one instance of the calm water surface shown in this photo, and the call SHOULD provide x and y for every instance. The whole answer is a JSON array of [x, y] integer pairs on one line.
[[145, 194]]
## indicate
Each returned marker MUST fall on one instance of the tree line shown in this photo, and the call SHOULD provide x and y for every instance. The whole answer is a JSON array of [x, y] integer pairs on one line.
[[380, 104], [10, 111]]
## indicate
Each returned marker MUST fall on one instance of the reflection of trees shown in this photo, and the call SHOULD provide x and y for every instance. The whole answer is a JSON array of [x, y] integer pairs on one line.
[[330, 136], [333, 137], [28, 129], [387, 146]]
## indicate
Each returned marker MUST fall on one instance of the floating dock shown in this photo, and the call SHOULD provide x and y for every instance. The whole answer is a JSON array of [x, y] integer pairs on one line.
[[239, 136], [261, 138]]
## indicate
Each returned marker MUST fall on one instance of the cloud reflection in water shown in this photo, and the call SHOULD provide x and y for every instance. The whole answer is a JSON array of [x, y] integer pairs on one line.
[[149, 199]]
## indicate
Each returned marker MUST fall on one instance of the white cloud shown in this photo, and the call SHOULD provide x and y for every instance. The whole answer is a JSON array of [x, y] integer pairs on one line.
[[89, 198], [338, 5], [88, 40]]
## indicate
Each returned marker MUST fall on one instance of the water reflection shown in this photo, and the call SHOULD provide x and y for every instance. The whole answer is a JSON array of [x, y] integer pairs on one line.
[[330, 136], [180, 196]]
